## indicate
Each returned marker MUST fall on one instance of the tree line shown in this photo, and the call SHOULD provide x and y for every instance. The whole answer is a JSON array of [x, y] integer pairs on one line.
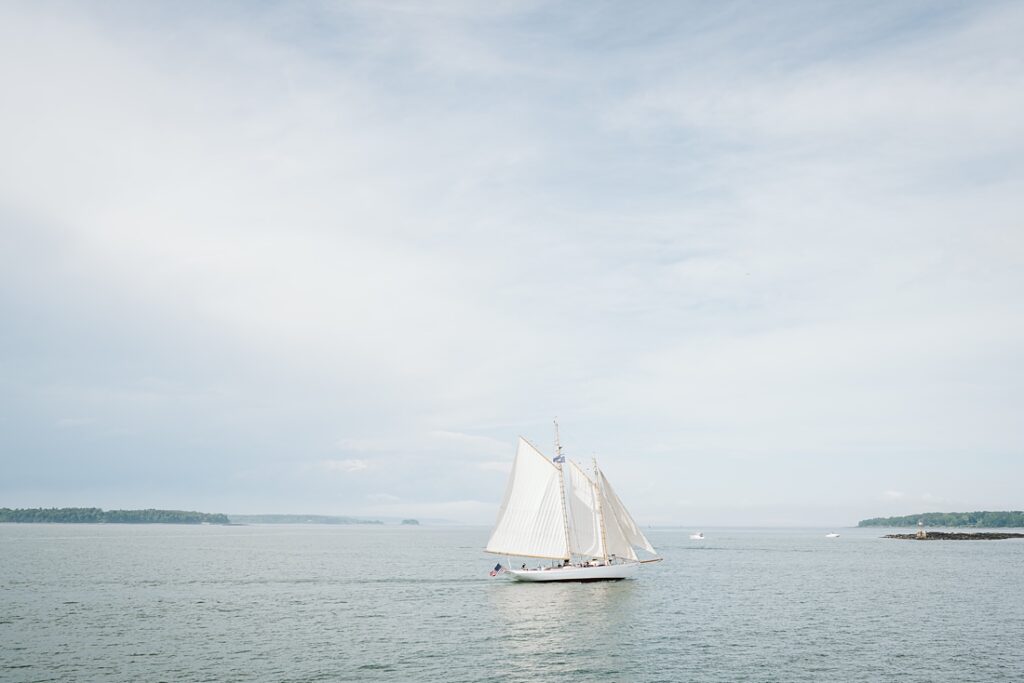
[[984, 519], [99, 516]]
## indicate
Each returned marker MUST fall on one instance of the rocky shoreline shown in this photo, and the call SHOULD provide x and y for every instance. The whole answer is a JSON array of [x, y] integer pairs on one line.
[[956, 536]]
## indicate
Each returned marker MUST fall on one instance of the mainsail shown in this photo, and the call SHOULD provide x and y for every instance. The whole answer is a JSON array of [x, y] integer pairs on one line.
[[531, 522], [538, 518]]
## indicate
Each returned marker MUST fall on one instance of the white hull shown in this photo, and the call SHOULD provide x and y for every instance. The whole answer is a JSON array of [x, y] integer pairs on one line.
[[605, 573]]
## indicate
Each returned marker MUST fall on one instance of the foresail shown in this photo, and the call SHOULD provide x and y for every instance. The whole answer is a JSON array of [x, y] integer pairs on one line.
[[613, 508], [584, 525], [615, 539], [531, 522]]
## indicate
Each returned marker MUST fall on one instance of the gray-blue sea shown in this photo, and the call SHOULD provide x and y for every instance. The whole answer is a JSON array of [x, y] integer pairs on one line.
[[389, 603]]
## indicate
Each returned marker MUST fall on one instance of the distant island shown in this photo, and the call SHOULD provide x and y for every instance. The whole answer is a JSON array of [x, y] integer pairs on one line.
[[152, 516], [98, 516], [299, 519], [984, 519]]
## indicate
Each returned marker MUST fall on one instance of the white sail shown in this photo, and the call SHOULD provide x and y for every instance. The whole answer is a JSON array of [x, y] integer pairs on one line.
[[585, 524], [531, 522], [614, 510], [615, 540]]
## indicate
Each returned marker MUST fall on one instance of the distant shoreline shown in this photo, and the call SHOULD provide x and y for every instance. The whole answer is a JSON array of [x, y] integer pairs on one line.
[[982, 519], [100, 516], [156, 516], [299, 519], [954, 536]]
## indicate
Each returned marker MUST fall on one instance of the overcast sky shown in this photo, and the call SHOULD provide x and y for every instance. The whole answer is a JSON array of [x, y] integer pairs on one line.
[[764, 260]]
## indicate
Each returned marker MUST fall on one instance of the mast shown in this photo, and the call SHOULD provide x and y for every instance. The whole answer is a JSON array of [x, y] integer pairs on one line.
[[559, 460], [600, 513]]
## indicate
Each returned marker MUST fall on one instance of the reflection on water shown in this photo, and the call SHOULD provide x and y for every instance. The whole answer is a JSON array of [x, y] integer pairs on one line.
[[578, 620]]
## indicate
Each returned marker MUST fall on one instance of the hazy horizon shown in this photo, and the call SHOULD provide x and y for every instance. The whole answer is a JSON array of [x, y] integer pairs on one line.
[[765, 262]]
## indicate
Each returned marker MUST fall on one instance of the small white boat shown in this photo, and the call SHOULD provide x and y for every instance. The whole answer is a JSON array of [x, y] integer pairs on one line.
[[832, 535], [699, 536]]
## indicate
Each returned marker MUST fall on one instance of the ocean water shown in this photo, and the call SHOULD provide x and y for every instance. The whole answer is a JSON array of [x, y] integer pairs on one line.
[[347, 603]]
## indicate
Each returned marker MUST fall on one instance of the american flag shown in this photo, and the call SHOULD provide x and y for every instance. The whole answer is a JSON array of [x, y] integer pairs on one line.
[[497, 569]]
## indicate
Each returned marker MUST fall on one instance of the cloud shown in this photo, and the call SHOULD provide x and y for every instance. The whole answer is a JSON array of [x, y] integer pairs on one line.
[[503, 466], [382, 498], [348, 465], [366, 445], [72, 422], [476, 444]]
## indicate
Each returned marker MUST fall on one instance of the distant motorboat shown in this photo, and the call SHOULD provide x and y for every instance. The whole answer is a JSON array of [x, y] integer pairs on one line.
[[832, 535], [699, 536]]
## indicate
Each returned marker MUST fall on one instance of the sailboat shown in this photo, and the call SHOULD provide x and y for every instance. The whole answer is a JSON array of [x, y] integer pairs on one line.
[[555, 510]]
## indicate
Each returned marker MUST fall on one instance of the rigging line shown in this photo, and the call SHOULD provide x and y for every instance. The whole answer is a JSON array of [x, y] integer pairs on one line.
[[537, 451]]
